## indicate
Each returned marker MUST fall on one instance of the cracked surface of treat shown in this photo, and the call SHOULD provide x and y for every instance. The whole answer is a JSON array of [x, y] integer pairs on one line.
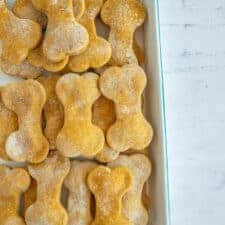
[[99, 50], [13, 182], [26, 99], [9, 124], [132, 204], [79, 200], [64, 35], [104, 116], [24, 69], [18, 36], [123, 17], [53, 109], [109, 187], [79, 136], [25, 10], [49, 175], [124, 86]]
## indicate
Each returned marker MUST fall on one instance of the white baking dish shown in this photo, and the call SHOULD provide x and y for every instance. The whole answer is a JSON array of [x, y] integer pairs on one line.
[[154, 110]]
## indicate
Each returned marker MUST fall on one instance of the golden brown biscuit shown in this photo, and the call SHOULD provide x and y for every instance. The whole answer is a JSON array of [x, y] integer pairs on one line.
[[49, 176], [64, 35], [99, 50], [9, 123], [25, 10], [24, 69], [13, 182], [132, 205], [108, 187], [18, 36], [104, 116], [53, 109], [124, 85], [27, 100], [79, 200], [78, 8], [123, 17], [79, 136]]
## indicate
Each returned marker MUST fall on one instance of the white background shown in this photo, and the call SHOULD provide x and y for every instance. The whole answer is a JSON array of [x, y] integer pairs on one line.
[[193, 52]]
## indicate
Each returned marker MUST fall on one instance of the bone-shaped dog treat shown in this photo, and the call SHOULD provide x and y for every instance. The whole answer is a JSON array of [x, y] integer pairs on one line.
[[53, 109], [26, 99], [18, 36], [25, 10], [140, 167], [79, 200], [23, 70], [78, 8], [108, 187], [123, 17], [37, 59], [49, 175], [64, 35], [99, 50], [104, 116], [125, 86], [8, 124], [78, 135], [13, 182]]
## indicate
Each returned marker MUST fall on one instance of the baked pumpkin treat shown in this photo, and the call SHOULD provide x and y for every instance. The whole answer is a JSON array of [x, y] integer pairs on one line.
[[123, 17], [49, 175], [13, 182], [18, 36], [53, 109], [124, 86], [64, 35], [109, 187], [26, 99], [132, 204], [79, 136], [99, 50]]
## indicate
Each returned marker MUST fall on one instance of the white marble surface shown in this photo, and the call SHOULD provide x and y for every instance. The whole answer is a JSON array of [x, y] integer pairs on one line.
[[193, 48]]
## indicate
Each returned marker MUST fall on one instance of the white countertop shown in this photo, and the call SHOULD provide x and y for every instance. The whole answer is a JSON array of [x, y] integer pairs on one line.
[[193, 51]]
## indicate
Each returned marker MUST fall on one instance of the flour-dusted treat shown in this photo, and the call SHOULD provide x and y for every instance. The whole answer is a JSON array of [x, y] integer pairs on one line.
[[124, 85], [79, 200], [24, 69], [64, 35], [13, 182], [47, 209], [104, 116], [53, 109], [99, 50], [132, 204], [18, 36], [8, 124], [79, 136], [109, 187], [123, 17], [26, 99]]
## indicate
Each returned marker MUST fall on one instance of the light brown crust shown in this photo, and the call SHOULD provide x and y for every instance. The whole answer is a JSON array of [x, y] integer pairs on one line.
[[79, 136], [124, 85], [53, 109], [103, 115], [64, 35], [13, 182], [79, 200], [108, 187], [26, 99], [18, 36], [140, 167], [98, 51], [49, 175], [123, 17], [9, 123]]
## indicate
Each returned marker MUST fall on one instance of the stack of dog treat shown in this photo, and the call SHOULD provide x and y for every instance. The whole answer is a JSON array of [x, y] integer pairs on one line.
[[75, 116]]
